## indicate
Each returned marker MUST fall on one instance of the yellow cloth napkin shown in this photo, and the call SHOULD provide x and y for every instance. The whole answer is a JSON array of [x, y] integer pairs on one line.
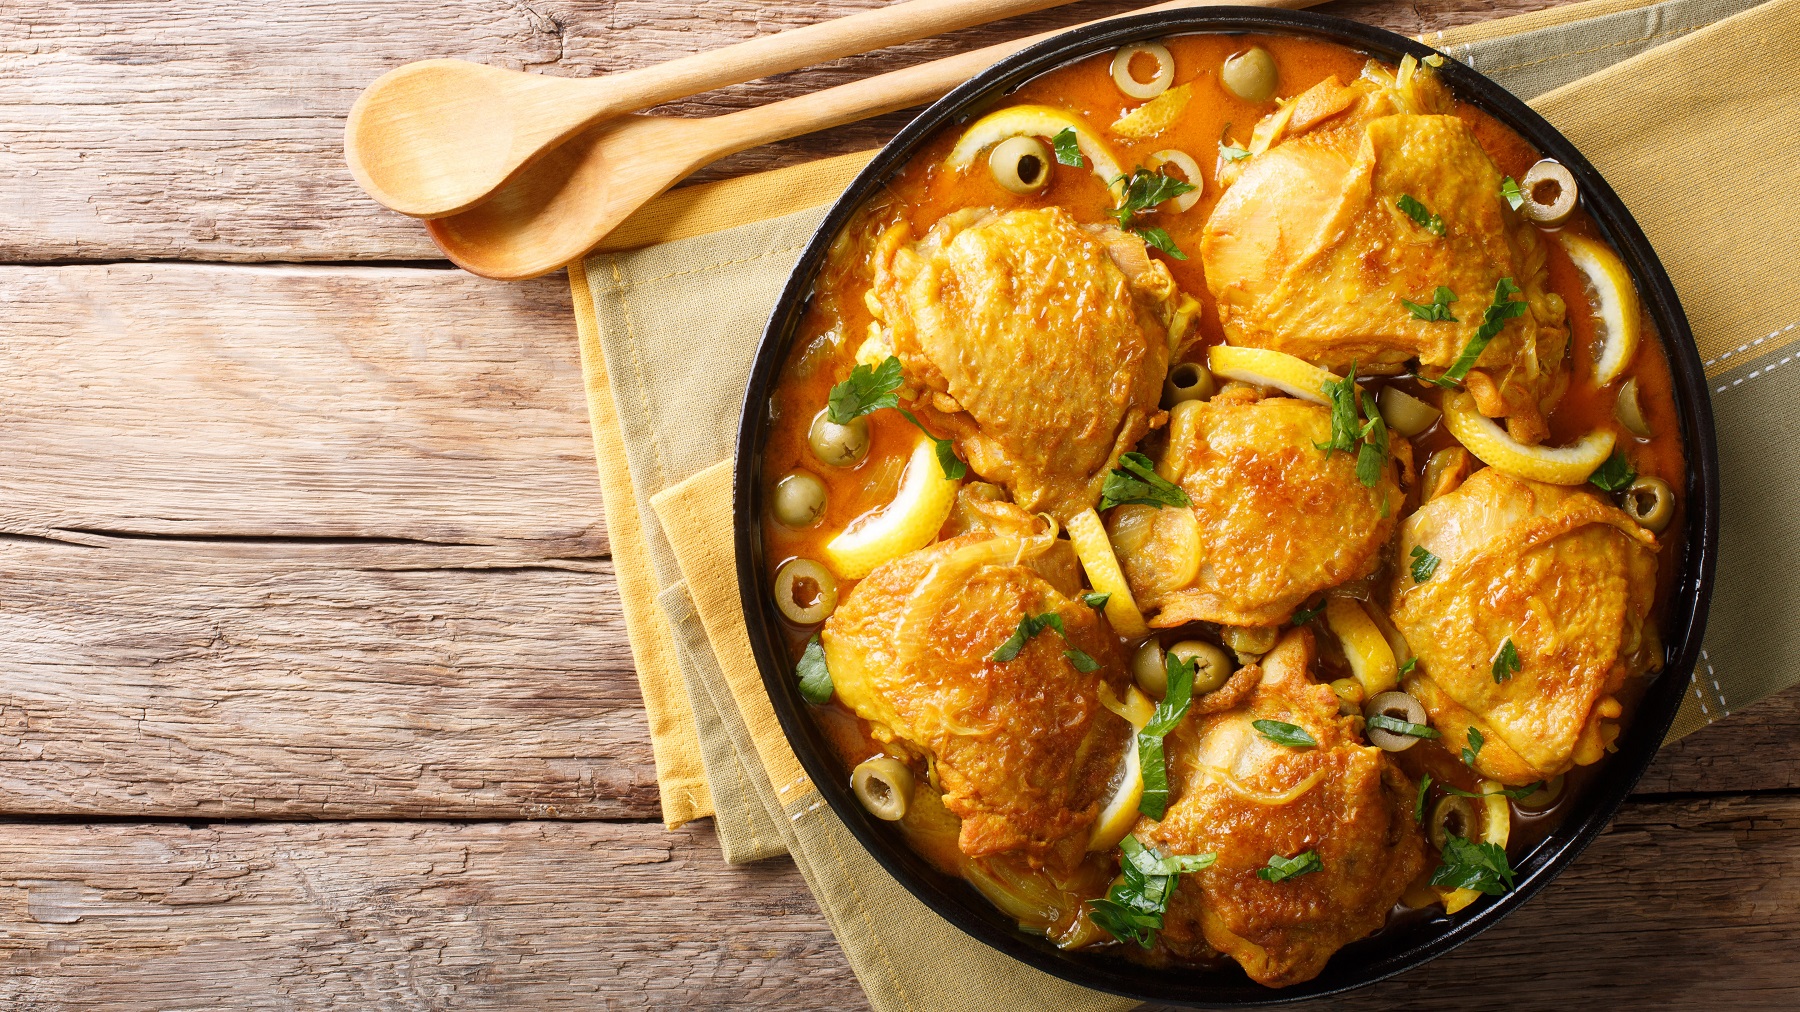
[[1695, 134]]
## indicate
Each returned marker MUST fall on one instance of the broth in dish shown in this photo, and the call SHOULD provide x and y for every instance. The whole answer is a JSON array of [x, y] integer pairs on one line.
[[1221, 501]]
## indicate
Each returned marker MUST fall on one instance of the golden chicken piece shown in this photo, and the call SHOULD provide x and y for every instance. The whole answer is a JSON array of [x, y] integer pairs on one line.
[[1022, 748], [1564, 577], [1041, 345], [1247, 799], [1309, 251], [1274, 518]]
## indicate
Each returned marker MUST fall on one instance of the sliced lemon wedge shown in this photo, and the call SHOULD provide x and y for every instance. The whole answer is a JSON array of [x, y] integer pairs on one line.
[[1036, 121], [907, 523], [1264, 367], [1088, 536], [1615, 304], [1557, 465], [1120, 813], [1371, 656], [1496, 828]]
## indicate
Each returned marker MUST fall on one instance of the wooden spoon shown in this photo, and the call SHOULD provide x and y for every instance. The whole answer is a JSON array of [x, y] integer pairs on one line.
[[438, 136], [557, 210]]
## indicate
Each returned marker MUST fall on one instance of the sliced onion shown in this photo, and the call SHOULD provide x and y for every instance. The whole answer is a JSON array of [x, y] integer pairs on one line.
[[1165, 70], [1188, 167]]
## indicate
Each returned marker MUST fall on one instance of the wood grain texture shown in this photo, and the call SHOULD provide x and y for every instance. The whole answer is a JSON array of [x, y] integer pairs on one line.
[[301, 402], [1680, 905], [186, 129]]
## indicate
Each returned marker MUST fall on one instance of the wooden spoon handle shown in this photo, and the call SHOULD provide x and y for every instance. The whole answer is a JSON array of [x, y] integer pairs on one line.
[[900, 89], [803, 47]]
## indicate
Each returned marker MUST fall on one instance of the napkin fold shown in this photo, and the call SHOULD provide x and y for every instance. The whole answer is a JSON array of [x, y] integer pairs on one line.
[[1690, 117]]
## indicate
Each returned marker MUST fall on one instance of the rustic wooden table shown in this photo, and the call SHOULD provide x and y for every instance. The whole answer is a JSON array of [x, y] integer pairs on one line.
[[316, 691]]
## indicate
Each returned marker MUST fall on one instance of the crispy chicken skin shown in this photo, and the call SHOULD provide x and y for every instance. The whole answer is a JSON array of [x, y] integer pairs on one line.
[[1245, 798], [1022, 749], [1568, 579], [1274, 518], [1041, 345], [1307, 252]]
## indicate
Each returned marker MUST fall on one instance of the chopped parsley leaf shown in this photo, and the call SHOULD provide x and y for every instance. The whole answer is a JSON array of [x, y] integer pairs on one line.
[[1159, 238], [1083, 663], [952, 465], [1144, 190], [1136, 481], [1473, 748], [1133, 909], [1174, 706], [1435, 310], [1423, 564], [815, 677], [1095, 600], [1616, 475], [1515, 793], [1372, 457], [1068, 148], [1305, 615], [1469, 865], [1419, 805], [1407, 668], [1396, 726], [1506, 661], [1029, 626], [868, 389], [1510, 192], [1504, 308], [1280, 869], [1347, 429], [1420, 214], [1283, 733]]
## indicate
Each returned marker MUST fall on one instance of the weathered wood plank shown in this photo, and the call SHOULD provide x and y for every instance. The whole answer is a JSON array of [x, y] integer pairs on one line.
[[279, 680], [300, 402], [1687, 904], [193, 130]]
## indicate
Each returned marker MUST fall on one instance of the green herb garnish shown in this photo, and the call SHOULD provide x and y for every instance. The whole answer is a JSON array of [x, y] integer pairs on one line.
[[1423, 564], [1174, 706], [1083, 663], [1437, 309], [1280, 869], [1421, 215], [868, 389], [1135, 481], [1144, 190], [1616, 475], [1394, 725], [815, 677], [1469, 865], [1510, 192], [1095, 601], [1283, 733], [1419, 805], [1341, 395], [1029, 626], [1372, 456], [1160, 239], [1407, 668], [1305, 615], [1493, 321], [1506, 661], [952, 465], [1231, 151], [1068, 148], [1473, 748], [1133, 909]]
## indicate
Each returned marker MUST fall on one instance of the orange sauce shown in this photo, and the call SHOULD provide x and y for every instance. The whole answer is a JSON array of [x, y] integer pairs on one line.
[[837, 322]]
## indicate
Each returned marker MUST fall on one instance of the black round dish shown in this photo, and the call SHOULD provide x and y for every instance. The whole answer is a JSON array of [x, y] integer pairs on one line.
[[1396, 949]]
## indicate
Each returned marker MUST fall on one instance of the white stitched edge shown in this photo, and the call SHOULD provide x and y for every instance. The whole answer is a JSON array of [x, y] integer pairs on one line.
[[804, 811], [1764, 371], [1700, 698], [796, 782], [1717, 688], [1746, 347]]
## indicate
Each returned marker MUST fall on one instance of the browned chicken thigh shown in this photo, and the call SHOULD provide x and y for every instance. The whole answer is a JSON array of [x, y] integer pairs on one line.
[[1022, 748], [1041, 344], [1309, 251], [1247, 799], [1275, 519], [1564, 578]]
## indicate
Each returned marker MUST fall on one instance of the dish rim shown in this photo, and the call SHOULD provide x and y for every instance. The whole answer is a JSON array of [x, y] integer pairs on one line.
[[1392, 951]]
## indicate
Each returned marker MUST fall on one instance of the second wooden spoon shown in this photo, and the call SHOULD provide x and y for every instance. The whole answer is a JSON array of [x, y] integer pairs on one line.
[[561, 207], [435, 137]]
